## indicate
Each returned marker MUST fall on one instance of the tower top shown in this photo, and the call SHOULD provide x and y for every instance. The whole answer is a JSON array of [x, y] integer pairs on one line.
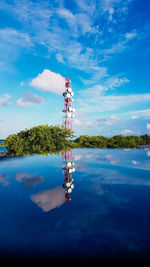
[[68, 111]]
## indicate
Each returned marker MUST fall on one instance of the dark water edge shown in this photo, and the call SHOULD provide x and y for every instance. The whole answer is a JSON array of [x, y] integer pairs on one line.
[[123, 259]]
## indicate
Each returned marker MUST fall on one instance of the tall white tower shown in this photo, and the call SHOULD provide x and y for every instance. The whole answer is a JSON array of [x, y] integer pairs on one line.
[[68, 111], [68, 164]]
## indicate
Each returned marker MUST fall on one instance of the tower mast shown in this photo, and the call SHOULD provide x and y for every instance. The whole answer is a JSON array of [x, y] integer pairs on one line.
[[68, 111], [68, 164]]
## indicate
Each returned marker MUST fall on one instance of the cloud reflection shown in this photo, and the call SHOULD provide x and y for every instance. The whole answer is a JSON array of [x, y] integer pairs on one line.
[[4, 180], [77, 157], [134, 162], [49, 199], [148, 153], [28, 179], [113, 162]]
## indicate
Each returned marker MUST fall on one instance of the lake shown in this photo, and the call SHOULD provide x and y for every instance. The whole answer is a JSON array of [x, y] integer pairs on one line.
[[106, 217], [2, 149]]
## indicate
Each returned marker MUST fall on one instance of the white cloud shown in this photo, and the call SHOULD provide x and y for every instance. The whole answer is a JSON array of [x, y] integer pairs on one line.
[[21, 102], [49, 81], [114, 82], [47, 30], [77, 21], [85, 27], [14, 115], [65, 13], [103, 103], [33, 98], [145, 113], [134, 162], [35, 15], [114, 117], [29, 100], [83, 58], [93, 91], [130, 35], [96, 91], [12, 43], [107, 4], [119, 46], [15, 37], [108, 122], [134, 117], [86, 6], [126, 131], [111, 12], [4, 130], [4, 99], [60, 58], [142, 112], [22, 83], [77, 122], [42, 25], [109, 7], [89, 123], [148, 126], [114, 49], [68, 16]]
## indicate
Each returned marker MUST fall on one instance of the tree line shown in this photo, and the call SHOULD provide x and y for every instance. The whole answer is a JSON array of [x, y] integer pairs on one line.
[[46, 139], [41, 139], [117, 141]]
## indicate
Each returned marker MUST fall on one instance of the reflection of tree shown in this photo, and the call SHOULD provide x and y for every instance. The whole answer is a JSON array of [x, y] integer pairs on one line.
[[49, 199], [28, 179]]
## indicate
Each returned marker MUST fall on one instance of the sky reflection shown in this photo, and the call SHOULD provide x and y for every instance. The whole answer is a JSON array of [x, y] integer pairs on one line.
[[108, 212]]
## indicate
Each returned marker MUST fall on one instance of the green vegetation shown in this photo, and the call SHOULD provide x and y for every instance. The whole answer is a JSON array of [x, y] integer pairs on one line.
[[118, 141], [41, 139], [46, 139]]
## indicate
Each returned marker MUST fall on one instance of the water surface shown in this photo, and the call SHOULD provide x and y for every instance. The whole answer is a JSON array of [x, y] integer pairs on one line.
[[108, 216]]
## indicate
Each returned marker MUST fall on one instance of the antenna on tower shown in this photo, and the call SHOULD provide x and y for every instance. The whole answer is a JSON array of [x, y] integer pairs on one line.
[[69, 113]]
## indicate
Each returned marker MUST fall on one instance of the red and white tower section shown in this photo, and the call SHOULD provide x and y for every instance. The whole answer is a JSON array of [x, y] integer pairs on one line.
[[68, 164], [68, 111]]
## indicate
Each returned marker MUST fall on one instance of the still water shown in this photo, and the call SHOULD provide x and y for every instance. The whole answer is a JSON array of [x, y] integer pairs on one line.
[[106, 216]]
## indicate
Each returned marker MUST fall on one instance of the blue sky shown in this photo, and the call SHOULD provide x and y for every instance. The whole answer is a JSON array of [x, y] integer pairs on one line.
[[102, 45]]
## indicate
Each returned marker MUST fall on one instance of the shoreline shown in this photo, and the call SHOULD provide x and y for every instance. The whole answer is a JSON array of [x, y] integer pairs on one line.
[[4, 153]]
